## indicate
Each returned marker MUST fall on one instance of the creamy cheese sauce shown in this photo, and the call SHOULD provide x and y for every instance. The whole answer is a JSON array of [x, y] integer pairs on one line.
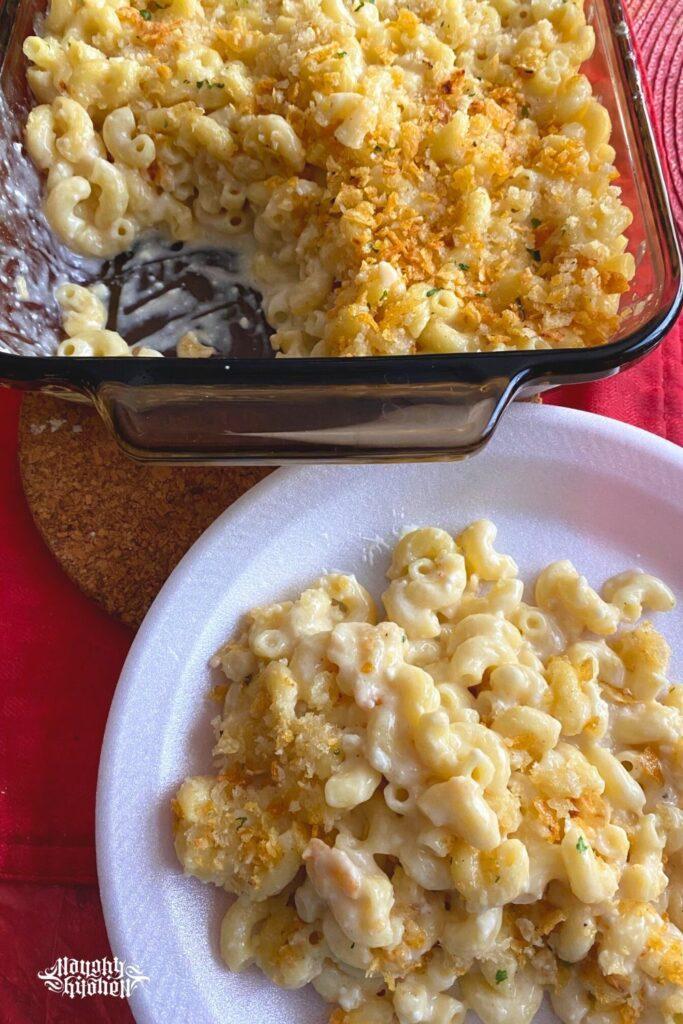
[[161, 290]]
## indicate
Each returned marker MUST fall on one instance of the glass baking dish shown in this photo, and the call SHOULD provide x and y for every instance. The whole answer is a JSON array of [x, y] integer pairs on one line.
[[234, 409]]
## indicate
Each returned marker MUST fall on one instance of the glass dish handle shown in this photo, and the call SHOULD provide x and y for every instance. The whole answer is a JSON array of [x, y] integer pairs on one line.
[[382, 422]]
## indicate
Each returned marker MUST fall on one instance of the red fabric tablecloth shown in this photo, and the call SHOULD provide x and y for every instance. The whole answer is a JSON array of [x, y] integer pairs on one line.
[[60, 657]]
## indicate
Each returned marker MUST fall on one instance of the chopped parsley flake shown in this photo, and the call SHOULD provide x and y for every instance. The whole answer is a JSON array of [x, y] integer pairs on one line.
[[480, 295], [464, 266], [146, 15], [535, 254], [204, 83], [525, 111], [535, 222], [383, 295], [501, 976], [342, 53], [432, 291], [240, 822], [581, 845]]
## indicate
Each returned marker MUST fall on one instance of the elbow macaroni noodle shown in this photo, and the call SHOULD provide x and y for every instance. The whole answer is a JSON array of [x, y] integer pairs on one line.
[[413, 177], [462, 805]]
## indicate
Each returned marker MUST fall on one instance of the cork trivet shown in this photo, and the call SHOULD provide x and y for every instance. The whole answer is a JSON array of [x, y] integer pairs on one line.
[[117, 528]]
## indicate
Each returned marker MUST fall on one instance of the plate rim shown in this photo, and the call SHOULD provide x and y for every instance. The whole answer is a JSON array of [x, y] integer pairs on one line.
[[573, 421]]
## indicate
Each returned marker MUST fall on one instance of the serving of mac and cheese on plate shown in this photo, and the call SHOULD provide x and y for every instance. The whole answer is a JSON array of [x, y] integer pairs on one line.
[[459, 801], [434, 176]]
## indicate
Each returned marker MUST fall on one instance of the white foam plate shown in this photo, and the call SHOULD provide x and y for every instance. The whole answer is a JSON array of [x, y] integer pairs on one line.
[[558, 483]]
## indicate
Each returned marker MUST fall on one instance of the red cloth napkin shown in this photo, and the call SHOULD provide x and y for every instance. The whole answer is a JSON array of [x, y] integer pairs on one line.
[[60, 657]]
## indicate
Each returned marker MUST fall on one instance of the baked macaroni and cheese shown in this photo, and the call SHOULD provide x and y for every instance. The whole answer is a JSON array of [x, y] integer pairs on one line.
[[462, 802], [402, 177]]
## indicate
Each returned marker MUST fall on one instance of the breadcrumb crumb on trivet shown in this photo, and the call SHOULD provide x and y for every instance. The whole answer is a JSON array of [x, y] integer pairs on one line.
[[117, 528]]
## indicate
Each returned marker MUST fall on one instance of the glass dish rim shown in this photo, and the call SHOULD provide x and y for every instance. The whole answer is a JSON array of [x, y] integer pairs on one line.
[[90, 373]]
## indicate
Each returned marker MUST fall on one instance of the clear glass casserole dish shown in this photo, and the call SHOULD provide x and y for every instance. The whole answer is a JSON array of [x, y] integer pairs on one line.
[[234, 408]]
